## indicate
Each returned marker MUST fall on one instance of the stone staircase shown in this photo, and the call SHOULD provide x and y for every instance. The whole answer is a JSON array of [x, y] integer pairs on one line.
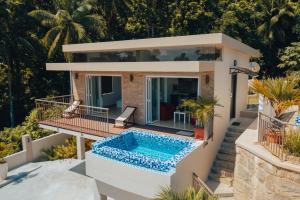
[[220, 179]]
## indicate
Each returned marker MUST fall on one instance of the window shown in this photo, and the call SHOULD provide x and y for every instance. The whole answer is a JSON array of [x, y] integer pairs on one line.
[[106, 84], [162, 54]]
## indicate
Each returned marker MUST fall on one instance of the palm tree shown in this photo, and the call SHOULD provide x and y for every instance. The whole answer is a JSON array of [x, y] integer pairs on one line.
[[72, 23], [281, 92], [276, 17], [13, 43], [189, 194], [110, 9]]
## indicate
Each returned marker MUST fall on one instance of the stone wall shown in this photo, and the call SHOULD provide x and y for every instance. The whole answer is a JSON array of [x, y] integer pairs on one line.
[[258, 179]]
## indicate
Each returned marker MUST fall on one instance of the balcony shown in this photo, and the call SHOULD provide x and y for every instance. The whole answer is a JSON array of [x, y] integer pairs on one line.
[[86, 120]]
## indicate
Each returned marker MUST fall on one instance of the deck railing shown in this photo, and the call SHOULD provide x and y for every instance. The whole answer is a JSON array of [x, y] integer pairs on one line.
[[85, 119], [272, 134]]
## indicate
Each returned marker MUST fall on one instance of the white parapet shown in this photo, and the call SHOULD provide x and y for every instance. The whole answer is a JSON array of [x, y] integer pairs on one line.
[[137, 180]]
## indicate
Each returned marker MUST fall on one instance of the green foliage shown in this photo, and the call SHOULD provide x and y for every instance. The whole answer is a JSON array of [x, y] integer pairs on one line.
[[11, 138], [189, 194], [292, 142], [202, 108], [282, 92], [290, 57], [66, 150], [27, 41], [72, 23]]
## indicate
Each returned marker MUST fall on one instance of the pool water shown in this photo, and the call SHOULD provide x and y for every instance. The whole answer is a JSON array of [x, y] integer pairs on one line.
[[143, 149], [152, 152]]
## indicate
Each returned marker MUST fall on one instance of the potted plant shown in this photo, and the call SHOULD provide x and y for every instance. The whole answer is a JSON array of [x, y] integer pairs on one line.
[[203, 110], [3, 169]]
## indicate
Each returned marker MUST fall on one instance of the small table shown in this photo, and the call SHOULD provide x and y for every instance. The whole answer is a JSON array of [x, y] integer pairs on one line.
[[186, 114]]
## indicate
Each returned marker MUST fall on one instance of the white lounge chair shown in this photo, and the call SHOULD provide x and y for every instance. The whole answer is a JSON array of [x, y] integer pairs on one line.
[[70, 111], [124, 119]]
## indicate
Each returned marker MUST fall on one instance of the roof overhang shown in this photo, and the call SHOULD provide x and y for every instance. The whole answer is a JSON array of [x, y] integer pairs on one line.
[[235, 70], [172, 66], [202, 40]]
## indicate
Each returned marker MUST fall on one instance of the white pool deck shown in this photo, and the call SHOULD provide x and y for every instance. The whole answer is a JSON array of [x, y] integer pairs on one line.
[[50, 180]]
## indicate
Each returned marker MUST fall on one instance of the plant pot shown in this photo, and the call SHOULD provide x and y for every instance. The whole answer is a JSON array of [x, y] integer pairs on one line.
[[199, 133], [274, 138], [3, 171]]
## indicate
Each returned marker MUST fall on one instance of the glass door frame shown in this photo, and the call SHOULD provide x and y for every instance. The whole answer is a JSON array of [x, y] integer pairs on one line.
[[148, 94], [149, 108]]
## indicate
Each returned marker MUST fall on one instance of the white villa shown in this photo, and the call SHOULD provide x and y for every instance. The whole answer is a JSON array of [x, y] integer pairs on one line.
[[154, 76]]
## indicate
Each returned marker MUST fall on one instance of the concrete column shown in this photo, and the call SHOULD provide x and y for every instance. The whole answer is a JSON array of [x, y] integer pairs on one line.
[[27, 147], [80, 148], [103, 197]]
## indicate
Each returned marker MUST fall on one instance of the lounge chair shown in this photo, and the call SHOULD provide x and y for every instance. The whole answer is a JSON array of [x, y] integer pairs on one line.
[[70, 111], [124, 119]]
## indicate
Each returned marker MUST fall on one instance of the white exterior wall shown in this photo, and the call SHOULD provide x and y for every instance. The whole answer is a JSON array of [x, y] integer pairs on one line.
[[46, 143], [20, 158]]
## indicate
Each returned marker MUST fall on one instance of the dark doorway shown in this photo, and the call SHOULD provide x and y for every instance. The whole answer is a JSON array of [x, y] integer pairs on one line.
[[233, 95]]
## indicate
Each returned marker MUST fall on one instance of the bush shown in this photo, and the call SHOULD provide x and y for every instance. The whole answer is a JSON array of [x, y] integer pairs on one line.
[[66, 150], [11, 138], [292, 142]]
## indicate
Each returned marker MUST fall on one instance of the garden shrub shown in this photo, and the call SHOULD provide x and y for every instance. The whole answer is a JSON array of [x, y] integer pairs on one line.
[[292, 142], [11, 138], [66, 150]]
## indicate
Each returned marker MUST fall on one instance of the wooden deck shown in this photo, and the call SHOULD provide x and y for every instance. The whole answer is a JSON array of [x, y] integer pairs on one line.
[[95, 128]]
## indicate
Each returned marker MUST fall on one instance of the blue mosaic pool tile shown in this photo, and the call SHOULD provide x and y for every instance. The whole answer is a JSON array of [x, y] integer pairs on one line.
[[121, 148]]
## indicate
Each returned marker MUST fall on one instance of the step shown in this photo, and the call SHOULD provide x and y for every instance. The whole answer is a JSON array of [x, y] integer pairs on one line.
[[224, 164], [236, 129], [222, 172], [226, 180], [232, 134], [225, 150], [230, 139], [230, 145], [220, 189], [226, 157]]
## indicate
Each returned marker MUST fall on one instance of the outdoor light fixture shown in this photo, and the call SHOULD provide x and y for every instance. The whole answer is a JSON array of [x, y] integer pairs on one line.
[[206, 79], [131, 77], [76, 75]]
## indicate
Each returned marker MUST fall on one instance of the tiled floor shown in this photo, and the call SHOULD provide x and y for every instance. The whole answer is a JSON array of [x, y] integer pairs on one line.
[[177, 125]]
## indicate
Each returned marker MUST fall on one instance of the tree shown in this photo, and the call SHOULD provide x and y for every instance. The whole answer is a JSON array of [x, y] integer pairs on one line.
[[277, 18], [290, 57], [13, 42], [72, 23], [191, 17], [110, 10]]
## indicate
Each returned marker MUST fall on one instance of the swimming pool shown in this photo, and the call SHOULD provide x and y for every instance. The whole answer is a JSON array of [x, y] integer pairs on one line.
[[143, 149]]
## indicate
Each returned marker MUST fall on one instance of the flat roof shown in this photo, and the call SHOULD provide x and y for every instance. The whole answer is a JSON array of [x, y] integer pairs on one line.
[[212, 39]]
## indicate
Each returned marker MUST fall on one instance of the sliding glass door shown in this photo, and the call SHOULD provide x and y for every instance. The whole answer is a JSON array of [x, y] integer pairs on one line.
[[153, 99], [93, 91]]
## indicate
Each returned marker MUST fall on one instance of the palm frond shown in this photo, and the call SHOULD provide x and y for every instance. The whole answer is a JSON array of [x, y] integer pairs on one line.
[[78, 30], [51, 35], [168, 194], [46, 18], [54, 45]]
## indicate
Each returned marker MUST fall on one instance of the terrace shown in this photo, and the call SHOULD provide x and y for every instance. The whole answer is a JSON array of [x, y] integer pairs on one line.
[[89, 121]]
